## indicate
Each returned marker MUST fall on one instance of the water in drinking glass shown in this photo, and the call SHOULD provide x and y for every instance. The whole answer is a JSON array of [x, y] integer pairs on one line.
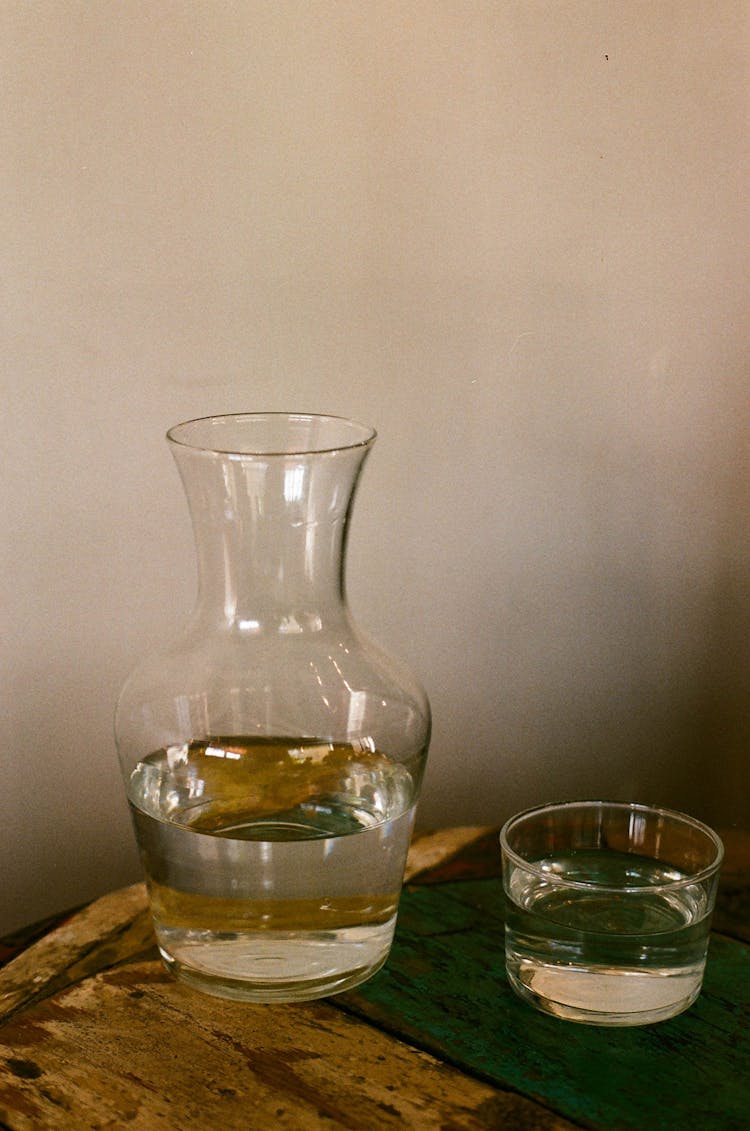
[[601, 953]]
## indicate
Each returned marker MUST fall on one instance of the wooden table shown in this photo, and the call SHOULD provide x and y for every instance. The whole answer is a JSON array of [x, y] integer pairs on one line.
[[95, 1034]]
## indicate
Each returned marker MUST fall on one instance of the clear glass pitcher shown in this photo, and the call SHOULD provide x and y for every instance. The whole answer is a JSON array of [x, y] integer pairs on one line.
[[272, 754]]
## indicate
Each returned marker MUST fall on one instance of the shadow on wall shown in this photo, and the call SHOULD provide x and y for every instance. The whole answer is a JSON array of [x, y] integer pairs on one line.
[[613, 614]]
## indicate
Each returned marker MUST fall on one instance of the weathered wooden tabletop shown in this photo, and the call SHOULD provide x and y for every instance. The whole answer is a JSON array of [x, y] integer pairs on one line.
[[95, 1034]]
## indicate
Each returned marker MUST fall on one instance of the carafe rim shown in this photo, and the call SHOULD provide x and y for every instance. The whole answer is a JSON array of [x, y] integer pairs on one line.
[[340, 433]]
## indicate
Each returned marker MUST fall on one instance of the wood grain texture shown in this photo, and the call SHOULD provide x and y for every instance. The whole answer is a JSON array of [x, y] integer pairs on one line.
[[133, 1048], [111, 929], [431, 851]]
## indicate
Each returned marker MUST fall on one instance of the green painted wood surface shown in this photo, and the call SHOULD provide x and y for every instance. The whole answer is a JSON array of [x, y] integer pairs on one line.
[[444, 990]]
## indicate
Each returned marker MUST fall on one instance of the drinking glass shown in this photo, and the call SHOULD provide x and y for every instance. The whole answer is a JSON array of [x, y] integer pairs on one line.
[[608, 909]]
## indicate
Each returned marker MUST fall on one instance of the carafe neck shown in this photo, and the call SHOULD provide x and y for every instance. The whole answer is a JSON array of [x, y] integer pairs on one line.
[[270, 533]]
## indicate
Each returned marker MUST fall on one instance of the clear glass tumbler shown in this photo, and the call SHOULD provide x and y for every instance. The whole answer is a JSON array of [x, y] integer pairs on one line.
[[608, 909], [272, 754]]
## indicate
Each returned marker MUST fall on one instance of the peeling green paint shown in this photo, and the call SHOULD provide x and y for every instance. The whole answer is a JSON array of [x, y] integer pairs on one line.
[[444, 989]]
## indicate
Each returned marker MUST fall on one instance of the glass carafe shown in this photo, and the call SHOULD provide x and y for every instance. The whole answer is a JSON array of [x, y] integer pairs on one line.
[[272, 754]]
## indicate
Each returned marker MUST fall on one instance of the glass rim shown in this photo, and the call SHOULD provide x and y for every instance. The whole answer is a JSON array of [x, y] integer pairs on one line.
[[365, 434], [629, 806]]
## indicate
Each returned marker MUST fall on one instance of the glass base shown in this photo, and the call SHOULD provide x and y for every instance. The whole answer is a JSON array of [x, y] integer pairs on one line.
[[605, 996], [279, 966]]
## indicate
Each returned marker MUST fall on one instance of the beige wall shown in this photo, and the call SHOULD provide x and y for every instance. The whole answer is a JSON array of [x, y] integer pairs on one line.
[[511, 235]]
